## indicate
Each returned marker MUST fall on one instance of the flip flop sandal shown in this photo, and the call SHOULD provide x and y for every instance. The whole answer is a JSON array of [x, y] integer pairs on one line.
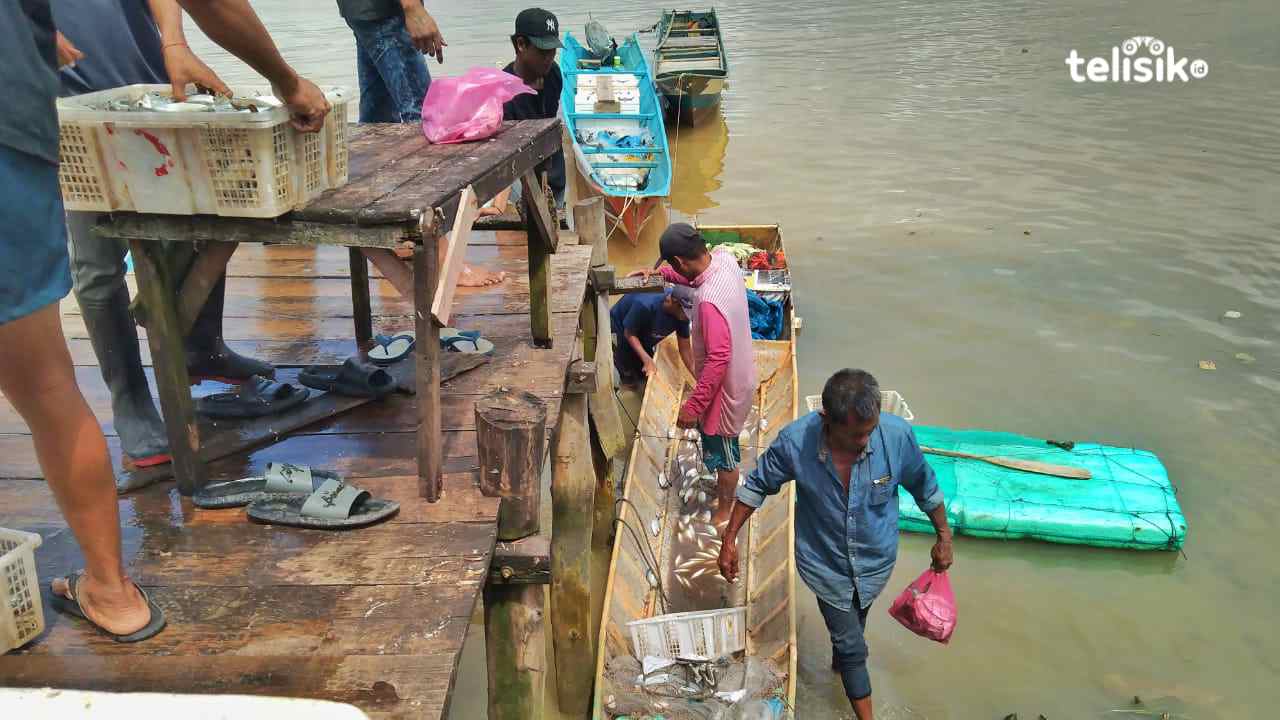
[[70, 605], [257, 398], [466, 344], [353, 378], [452, 332], [335, 505], [280, 480], [391, 349]]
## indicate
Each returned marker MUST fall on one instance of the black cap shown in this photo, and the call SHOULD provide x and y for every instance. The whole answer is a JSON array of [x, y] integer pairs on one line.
[[680, 240], [541, 27]]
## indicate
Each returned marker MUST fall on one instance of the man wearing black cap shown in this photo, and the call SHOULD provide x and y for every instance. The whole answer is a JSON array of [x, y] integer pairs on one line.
[[536, 39]]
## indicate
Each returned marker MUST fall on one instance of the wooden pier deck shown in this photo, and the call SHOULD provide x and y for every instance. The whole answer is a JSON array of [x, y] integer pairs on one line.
[[375, 617]]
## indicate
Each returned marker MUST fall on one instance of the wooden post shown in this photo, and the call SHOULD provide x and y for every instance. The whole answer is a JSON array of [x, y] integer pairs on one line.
[[511, 431], [515, 649], [361, 308], [543, 236], [588, 217], [573, 485], [427, 352], [155, 286]]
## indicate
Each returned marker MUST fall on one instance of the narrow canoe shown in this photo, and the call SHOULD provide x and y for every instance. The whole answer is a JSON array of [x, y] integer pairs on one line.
[[614, 118], [691, 67]]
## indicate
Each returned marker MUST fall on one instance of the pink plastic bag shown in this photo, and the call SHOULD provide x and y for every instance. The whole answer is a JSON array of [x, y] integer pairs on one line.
[[467, 108], [927, 607]]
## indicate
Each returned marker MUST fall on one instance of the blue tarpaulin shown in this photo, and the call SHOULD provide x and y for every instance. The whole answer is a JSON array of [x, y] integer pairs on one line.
[[766, 317]]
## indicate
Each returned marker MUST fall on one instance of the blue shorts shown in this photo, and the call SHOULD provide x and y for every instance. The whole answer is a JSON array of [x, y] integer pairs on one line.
[[720, 452], [35, 269]]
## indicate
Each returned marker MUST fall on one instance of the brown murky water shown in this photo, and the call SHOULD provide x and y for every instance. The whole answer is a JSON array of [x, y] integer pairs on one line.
[[1015, 251]]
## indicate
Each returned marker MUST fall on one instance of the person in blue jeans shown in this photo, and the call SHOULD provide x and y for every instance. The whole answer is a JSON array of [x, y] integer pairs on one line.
[[391, 38]]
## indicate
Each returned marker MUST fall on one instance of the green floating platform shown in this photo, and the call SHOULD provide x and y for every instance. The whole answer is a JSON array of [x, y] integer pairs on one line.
[[1128, 503]]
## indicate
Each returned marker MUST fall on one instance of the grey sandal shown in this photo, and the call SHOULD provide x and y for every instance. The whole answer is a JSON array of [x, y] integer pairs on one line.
[[280, 480], [335, 505], [70, 604]]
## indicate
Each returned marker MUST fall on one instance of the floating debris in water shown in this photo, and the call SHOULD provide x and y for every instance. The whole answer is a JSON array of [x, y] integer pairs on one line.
[[1232, 315], [1208, 365]]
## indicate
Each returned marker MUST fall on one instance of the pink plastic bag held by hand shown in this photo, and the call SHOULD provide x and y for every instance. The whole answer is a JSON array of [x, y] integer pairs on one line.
[[467, 108], [927, 607]]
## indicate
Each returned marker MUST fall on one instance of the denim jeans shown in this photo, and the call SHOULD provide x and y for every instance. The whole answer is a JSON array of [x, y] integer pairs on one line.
[[393, 73], [848, 646]]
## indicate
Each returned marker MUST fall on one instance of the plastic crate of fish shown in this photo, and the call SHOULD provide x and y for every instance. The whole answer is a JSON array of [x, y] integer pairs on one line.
[[21, 615], [122, 152], [697, 635]]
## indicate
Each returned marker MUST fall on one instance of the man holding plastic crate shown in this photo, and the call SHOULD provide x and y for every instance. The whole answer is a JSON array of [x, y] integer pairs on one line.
[[391, 38], [104, 44], [847, 462], [36, 374]]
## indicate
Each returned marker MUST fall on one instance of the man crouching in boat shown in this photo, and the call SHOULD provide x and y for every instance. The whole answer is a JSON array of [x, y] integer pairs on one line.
[[722, 354], [847, 461]]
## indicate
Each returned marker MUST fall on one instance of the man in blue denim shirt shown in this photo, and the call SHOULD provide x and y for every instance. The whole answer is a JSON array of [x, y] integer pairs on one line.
[[391, 38], [847, 462]]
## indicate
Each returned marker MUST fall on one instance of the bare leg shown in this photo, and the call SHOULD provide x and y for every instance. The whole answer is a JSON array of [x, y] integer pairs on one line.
[[727, 487], [471, 276], [862, 708], [36, 375]]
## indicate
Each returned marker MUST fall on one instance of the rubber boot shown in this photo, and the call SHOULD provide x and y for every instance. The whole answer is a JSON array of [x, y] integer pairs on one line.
[[115, 342], [208, 357]]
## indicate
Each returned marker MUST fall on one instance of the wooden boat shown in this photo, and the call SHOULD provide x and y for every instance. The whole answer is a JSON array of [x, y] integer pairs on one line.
[[691, 67], [661, 519], [614, 118]]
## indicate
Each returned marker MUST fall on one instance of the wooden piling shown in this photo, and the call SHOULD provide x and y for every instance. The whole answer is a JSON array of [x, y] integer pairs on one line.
[[510, 439], [573, 485], [543, 236], [156, 286], [515, 649]]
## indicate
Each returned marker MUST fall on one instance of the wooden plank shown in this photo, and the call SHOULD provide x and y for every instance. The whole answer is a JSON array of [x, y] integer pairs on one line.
[[489, 166], [539, 267], [454, 256], [395, 270], [573, 484], [207, 228], [207, 270], [524, 561], [155, 286], [361, 310], [427, 352], [540, 220]]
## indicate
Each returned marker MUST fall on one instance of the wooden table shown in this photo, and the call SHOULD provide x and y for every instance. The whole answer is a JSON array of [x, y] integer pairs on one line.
[[400, 189]]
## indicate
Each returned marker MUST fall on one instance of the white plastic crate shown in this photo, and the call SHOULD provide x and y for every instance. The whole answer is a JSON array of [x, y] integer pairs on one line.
[[21, 614], [698, 635], [890, 401], [229, 164]]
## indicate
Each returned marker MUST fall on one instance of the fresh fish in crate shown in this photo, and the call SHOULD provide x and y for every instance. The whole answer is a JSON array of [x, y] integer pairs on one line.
[[696, 574]]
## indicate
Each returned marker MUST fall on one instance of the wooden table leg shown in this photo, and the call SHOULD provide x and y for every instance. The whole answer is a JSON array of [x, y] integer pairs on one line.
[[361, 308], [543, 237], [156, 288], [427, 355]]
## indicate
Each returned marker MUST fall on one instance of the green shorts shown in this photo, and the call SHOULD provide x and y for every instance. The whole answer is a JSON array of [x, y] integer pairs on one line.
[[720, 452]]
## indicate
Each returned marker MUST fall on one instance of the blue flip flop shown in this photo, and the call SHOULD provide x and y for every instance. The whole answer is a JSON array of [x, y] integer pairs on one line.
[[466, 342], [390, 349]]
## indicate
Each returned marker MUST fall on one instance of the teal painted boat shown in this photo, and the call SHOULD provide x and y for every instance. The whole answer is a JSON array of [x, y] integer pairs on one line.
[[1129, 502], [690, 65]]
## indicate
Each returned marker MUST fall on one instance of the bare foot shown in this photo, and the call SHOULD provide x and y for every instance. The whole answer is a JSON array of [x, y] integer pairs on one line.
[[404, 251], [471, 277], [489, 211], [119, 611]]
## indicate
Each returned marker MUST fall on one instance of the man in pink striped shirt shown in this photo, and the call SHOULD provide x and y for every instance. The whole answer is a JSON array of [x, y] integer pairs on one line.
[[722, 352]]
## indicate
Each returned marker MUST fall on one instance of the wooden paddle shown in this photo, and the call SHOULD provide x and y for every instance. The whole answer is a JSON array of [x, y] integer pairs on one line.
[[1031, 466]]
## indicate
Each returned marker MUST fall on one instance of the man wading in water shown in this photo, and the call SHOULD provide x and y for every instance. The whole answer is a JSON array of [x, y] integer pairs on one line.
[[847, 462]]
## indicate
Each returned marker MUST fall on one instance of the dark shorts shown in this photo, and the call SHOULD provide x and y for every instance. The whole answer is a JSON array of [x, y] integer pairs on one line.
[[35, 269], [720, 452], [849, 646]]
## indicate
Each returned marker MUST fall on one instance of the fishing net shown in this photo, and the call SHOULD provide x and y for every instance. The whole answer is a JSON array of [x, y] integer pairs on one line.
[[1128, 503]]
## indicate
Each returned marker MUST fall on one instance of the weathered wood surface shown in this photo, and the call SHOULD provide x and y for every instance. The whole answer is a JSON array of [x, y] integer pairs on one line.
[[627, 285], [454, 256], [375, 617], [573, 484], [511, 430], [397, 172], [426, 275], [543, 234], [526, 561], [515, 651], [361, 310], [172, 381]]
